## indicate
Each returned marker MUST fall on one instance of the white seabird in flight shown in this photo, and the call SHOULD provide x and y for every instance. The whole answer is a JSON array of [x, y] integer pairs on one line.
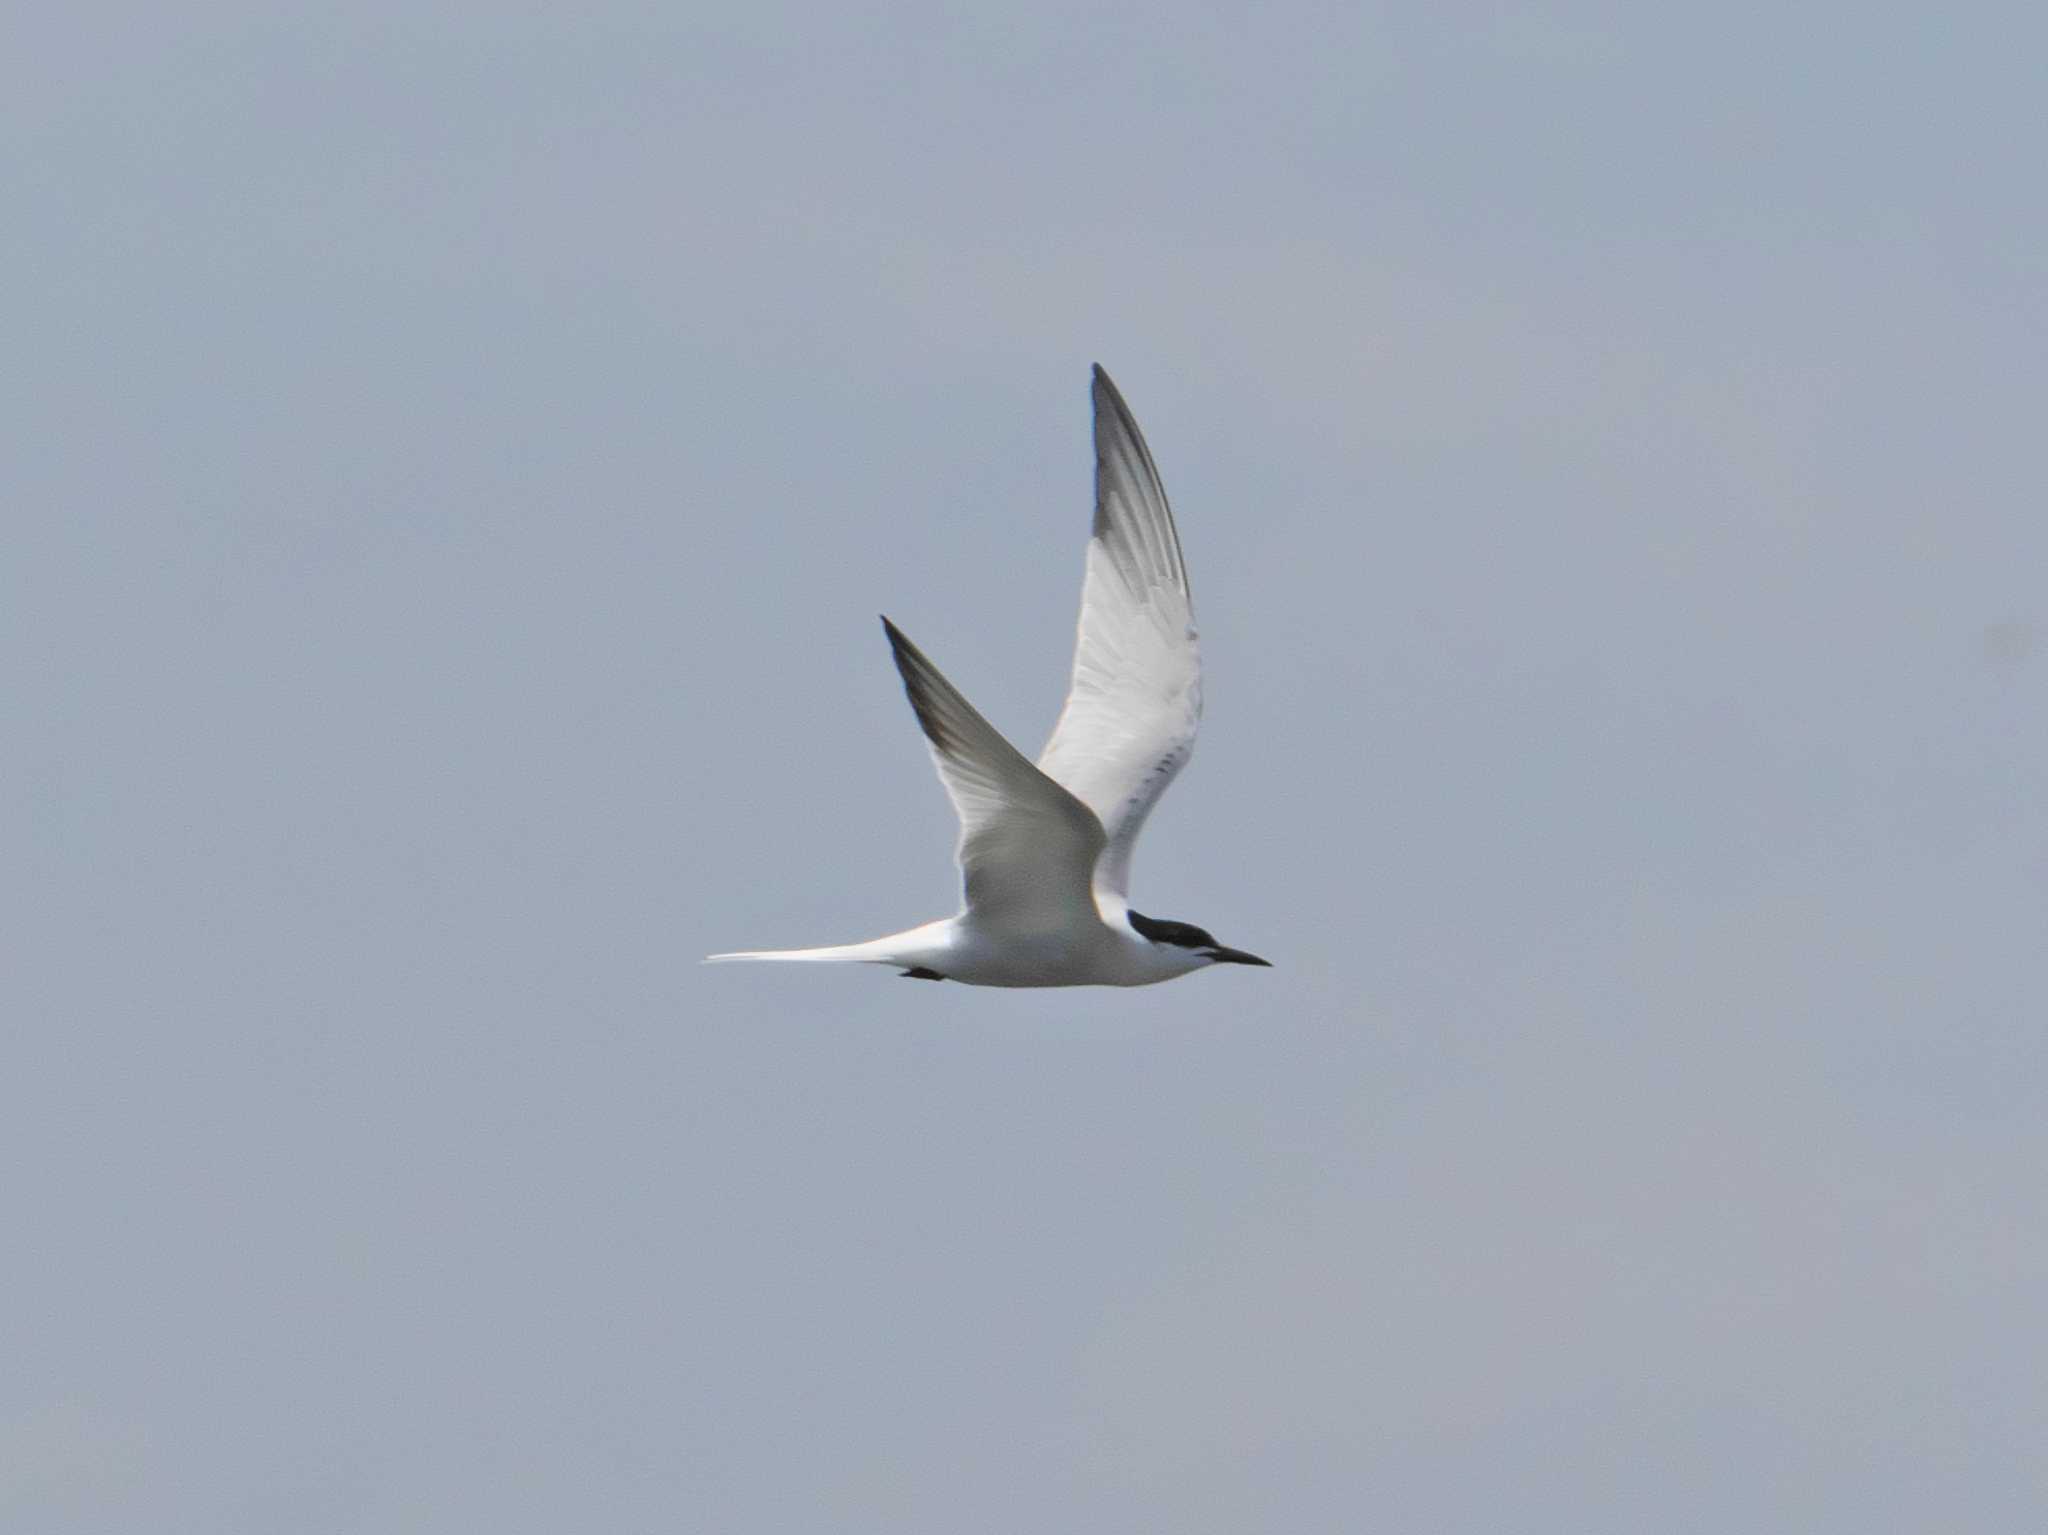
[[1045, 851]]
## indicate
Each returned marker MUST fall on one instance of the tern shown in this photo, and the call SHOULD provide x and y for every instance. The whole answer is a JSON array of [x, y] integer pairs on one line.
[[1045, 850]]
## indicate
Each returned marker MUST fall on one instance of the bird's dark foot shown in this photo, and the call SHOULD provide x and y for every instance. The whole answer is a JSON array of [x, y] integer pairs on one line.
[[919, 973]]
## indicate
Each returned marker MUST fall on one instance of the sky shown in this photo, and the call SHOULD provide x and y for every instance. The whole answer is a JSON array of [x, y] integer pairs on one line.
[[455, 457]]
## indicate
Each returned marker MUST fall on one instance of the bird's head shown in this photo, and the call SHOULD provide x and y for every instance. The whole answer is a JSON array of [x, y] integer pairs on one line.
[[1197, 943]]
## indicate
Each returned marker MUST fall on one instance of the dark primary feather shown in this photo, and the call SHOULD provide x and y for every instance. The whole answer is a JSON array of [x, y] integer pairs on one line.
[[1145, 545], [953, 725]]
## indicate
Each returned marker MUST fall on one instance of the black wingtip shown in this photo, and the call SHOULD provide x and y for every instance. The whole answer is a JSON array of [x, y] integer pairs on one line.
[[912, 667], [1110, 398], [933, 700], [899, 642]]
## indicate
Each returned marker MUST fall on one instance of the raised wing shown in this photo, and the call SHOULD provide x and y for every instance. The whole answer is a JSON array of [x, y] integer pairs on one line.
[[1028, 848], [1136, 699]]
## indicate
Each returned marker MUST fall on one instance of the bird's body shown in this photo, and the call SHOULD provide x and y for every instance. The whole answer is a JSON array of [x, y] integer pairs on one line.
[[1084, 951], [1045, 850]]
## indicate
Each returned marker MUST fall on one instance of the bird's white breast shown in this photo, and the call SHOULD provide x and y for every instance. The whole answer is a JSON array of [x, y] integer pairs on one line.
[[1090, 954]]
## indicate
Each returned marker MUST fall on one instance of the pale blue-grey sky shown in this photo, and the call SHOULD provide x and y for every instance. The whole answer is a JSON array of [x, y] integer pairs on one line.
[[456, 453]]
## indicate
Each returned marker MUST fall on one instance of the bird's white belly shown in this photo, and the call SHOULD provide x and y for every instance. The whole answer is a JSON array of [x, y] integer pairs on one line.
[[1094, 955]]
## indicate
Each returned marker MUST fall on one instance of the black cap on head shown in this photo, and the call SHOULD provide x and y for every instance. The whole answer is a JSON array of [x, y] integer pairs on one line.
[[1185, 935]]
